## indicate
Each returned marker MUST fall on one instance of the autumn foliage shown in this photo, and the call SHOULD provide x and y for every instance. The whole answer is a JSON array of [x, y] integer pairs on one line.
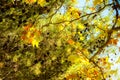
[[59, 39]]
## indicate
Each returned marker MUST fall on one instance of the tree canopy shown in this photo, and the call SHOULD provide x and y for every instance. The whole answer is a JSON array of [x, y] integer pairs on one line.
[[59, 39]]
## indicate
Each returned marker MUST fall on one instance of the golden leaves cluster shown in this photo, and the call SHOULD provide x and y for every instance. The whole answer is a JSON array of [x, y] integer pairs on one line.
[[40, 2], [96, 2], [81, 67], [31, 35], [73, 13]]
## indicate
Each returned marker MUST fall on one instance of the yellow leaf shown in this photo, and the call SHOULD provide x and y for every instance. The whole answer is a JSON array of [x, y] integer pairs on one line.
[[81, 26], [67, 16], [82, 38], [86, 52], [88, 79], [30, 1], [72, 58], [118, 21], [76, 14], [73, 12], [96, 2], [59, 43], [73, 0], [36, 69], [35, 43], [61, 28], [114, 71], [97, 30], [28, 34], [42, 2]]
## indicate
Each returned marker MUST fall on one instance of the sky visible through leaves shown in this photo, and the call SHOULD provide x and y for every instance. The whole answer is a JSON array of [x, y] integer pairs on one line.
[[113, 49], [109, 51]]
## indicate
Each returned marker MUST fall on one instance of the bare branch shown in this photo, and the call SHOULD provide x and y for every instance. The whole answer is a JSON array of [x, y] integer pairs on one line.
[[115, 8]]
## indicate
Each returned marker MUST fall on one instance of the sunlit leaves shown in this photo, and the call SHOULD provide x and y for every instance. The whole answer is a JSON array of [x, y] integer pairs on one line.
[[57, 18], [81, 65], [60, 27], [70, 2], [118, 61], [96, 2], [36, 69], [73, 12], [72, 76], [41, 2], [81, 26], [71, 41], [31, 35], [83, 68], [118, 21], [92, 9], [91, 73], [73, 58], [30, 1], [64, 36], [69, 14], [35, 43]]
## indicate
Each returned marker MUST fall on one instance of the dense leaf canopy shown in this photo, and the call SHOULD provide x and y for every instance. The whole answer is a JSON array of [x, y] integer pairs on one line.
[[59, 39]]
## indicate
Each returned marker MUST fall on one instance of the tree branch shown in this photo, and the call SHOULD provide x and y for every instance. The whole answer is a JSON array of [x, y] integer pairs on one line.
[[109, 33]]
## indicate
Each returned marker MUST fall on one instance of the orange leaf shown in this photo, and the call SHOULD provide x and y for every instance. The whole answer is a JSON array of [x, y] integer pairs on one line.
[[71, 41], [24, 32], [72, 76], [38, 32], [32, 34], [113, 41], [92, 8], [96, 72], [30, 40], [118, 35], [23, 37], [27, 27]]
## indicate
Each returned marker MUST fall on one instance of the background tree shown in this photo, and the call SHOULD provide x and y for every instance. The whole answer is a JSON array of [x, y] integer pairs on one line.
[[59, 39]]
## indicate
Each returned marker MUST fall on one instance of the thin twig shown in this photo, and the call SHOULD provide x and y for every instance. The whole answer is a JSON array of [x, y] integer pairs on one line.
[[99, 68]]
